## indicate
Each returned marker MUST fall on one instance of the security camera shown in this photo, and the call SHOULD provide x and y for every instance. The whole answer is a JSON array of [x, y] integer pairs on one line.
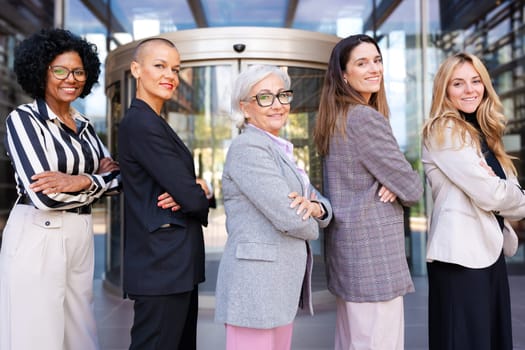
[[239, 47]]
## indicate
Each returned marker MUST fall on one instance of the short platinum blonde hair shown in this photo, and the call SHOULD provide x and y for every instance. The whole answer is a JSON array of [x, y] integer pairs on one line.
[[244, 83]]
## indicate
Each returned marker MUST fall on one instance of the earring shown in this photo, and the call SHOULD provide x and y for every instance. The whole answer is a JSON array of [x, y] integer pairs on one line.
[[346, 82]]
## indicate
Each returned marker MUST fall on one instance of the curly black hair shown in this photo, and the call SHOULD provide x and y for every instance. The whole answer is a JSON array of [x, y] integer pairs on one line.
[[34, 54]]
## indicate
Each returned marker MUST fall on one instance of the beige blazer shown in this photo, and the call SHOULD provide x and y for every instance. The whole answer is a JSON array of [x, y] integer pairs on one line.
[[462, 228]]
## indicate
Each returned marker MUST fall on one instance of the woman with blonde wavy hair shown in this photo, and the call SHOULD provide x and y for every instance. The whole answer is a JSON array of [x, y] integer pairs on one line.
[[475, 192]]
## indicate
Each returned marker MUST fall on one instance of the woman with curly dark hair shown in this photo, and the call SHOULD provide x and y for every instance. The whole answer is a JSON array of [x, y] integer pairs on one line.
[[61, 167]]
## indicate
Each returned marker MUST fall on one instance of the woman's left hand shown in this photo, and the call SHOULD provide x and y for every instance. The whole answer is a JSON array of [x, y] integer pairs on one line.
[[166, 201], [107, 165], [204, 186], [49, 182], [386, 195], [304, 206]]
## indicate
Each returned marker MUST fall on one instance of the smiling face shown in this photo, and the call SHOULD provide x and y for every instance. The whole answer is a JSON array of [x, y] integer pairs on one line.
[[273, 117], [60, 92], [364, 70], [157, 72], [465, 88]]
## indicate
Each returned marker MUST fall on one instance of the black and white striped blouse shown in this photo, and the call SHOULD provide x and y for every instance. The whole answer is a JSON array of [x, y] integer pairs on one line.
[[37, 141]]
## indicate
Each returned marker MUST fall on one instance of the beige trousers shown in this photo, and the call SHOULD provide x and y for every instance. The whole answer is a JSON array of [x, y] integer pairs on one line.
[[370, 326], [46, 281]]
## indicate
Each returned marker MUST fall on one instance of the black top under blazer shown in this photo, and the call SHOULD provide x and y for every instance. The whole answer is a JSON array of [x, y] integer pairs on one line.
[[163, 250]]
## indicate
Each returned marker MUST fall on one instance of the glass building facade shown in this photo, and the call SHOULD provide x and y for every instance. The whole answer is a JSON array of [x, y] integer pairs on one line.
[[414, 36]]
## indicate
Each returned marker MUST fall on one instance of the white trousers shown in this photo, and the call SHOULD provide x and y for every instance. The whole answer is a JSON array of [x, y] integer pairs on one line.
[[46, 281], [370, 326]]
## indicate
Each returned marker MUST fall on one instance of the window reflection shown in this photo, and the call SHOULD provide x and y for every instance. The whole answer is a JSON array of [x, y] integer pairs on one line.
[[404, 89]]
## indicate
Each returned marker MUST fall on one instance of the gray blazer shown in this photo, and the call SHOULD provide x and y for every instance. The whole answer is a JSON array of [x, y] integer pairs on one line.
[[264, 265], [365, 243]]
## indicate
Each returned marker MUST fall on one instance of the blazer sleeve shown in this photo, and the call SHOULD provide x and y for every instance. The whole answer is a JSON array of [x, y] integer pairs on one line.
[[169, 164], [516, 213], [256, 171], [327, 205], [461, 165], [380, 154]]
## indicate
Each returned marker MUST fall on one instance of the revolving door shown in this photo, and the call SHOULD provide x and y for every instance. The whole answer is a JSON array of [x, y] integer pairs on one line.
[[199, 112]]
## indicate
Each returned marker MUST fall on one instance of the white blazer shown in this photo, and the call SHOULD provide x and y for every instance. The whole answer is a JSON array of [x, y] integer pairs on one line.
[[463, 229]]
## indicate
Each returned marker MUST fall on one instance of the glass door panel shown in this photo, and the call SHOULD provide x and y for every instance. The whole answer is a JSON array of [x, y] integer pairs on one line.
[[200, 114]]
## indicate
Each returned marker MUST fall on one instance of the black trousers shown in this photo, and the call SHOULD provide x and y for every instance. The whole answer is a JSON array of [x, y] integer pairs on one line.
[[165, 322], [469, 309]]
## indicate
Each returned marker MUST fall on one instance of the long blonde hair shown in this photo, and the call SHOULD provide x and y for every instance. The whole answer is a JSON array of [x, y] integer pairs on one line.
[[489, 113], [337, 96]]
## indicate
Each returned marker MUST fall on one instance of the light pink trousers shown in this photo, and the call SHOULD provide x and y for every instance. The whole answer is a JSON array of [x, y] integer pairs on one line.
[[243, 338], [370, 326], [46, 281]]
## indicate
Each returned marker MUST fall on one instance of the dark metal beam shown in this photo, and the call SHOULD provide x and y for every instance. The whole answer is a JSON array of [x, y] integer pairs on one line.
[[290, 13], [461, 14], [99, 9], [380, 14], [24, 17], [198, 13]]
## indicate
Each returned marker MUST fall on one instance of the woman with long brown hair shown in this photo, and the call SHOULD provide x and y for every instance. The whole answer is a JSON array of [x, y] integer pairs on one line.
[[368, 181]]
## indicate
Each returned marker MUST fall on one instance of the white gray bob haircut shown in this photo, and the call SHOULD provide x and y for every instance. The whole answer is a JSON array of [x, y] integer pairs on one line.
[[244, 83]]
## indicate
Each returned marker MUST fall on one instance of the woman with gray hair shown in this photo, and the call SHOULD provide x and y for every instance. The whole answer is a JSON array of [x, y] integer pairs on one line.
[[272, 211]]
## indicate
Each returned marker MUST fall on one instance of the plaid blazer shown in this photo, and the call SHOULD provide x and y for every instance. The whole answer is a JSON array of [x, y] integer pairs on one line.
[[365, 242]]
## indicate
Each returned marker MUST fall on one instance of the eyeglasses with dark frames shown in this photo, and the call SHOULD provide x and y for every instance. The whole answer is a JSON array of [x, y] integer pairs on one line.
[[62, 73], [266, 99]]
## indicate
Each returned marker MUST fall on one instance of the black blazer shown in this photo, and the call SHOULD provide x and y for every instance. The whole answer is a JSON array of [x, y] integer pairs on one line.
[[163, 250]]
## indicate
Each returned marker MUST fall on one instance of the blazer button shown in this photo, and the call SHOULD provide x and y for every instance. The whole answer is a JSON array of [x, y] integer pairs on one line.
[[47, 223]]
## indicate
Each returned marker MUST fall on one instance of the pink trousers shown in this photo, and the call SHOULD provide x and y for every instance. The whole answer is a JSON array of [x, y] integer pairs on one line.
[[242, 338]]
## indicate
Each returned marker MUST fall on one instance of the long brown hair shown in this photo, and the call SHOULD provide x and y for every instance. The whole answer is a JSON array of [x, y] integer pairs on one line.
[[489, 113], [337, 96]]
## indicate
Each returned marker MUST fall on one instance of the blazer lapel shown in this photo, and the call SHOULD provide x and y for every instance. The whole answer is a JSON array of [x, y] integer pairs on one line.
[[169, 130], [293, 167], [178, 140], [284, 158]]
